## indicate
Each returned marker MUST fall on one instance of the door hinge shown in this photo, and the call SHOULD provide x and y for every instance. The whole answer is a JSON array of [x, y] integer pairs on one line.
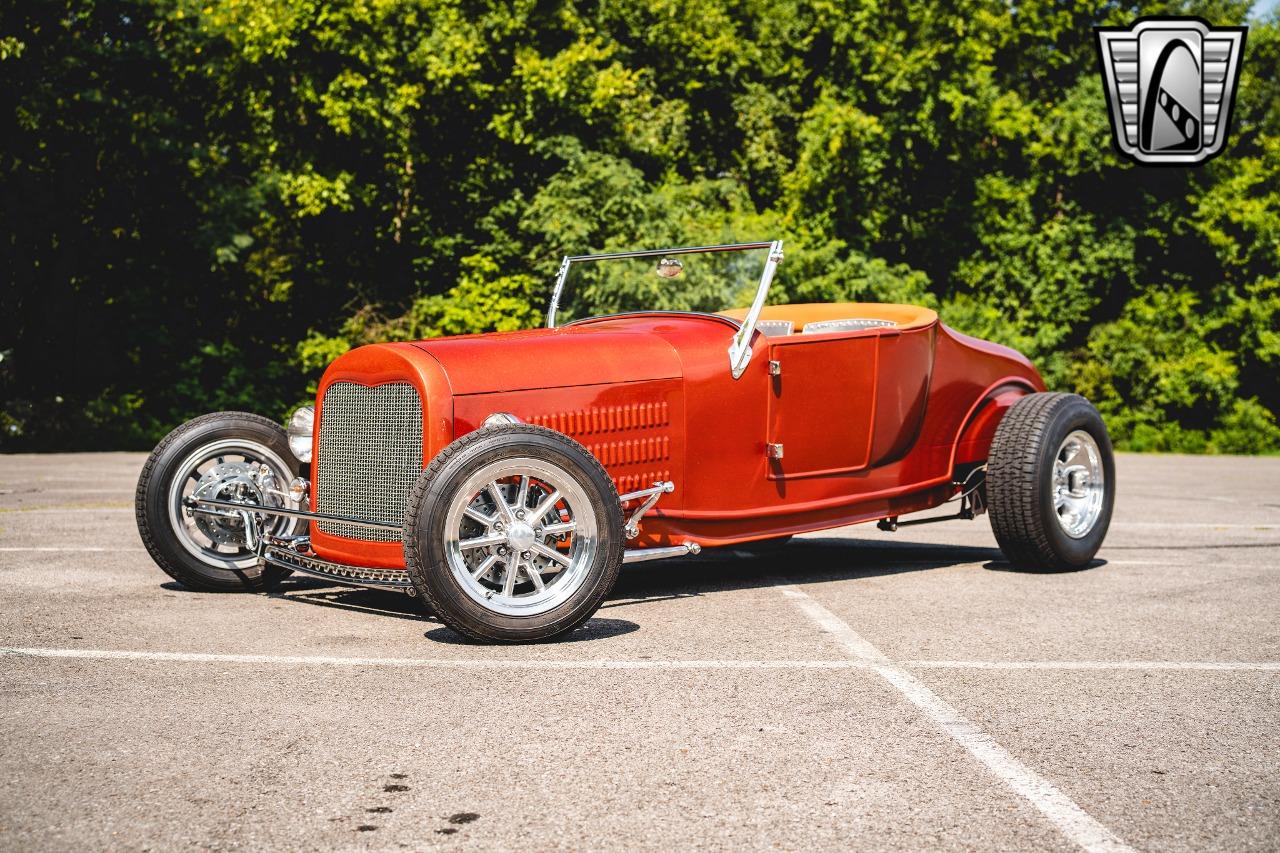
[[774, 451], [775, 368]]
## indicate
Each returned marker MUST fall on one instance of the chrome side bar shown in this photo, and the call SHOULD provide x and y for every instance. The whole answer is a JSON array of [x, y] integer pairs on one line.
[[199, 504], [644, 555]]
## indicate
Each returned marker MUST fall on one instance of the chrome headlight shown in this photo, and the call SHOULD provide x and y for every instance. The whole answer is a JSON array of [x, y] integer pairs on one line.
[[302, 427]]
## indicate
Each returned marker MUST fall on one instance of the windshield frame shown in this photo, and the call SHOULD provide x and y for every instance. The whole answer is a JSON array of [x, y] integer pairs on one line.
[[740, 348]]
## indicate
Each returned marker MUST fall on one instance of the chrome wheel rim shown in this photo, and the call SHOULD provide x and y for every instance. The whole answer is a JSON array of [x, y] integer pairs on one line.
[[1079, 484], [520, 536], [231, 469]]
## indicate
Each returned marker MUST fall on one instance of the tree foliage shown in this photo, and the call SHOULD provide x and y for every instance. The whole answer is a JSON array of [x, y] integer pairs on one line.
[[204, 202]]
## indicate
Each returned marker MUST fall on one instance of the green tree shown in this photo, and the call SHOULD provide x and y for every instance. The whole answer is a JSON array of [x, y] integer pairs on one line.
[[205, 202]]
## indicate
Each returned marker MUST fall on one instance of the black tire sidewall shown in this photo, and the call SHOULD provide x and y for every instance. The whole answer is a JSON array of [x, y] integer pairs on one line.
[[152, 507], [425, 555], [1075, 413]]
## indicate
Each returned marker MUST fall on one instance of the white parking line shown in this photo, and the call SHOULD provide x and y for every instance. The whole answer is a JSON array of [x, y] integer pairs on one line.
[[1060, 809], [73, 489], [74, 550], [61, 510], [426, 663], [1199, 525], [623, 663], [1186, 665]]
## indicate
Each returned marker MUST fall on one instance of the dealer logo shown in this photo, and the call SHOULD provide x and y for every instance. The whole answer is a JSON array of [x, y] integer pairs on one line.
[[1170, 83]]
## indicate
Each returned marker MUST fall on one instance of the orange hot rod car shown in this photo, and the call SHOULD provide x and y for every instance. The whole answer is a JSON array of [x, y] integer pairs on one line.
[[505, 478]]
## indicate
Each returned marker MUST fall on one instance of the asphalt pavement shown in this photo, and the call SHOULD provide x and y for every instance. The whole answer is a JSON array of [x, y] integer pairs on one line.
[[854, 689]]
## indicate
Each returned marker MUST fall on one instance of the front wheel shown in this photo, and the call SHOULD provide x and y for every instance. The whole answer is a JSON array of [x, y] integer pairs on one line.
[[225, 456], [1051, 482], [514, 534]]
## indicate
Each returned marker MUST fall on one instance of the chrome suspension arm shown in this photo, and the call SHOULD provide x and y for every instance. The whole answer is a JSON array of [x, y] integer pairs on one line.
[[651, 495], [202, 504]]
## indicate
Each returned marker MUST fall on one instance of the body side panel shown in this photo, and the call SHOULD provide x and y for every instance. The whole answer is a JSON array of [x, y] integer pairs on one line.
[[902, 392], [635, 429], [731, 498], [822, 404]]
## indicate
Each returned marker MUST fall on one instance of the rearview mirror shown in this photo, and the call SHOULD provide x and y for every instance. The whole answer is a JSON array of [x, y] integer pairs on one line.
[[669, 268]]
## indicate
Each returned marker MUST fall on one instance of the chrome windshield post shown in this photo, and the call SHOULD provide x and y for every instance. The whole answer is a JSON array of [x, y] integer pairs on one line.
[[555, 294], [740, 349]]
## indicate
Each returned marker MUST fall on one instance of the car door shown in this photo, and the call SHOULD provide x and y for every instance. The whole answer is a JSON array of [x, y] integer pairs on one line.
[[822, 402]]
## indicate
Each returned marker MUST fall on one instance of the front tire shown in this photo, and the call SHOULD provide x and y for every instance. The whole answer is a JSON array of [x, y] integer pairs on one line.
[[1051, 482], [202, 552], [514, 534]]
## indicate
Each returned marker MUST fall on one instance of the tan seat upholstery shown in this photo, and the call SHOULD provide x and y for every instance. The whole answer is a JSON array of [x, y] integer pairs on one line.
[[800, 314]]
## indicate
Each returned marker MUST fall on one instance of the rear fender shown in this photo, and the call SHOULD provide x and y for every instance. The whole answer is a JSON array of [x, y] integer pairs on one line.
[[974, 442]]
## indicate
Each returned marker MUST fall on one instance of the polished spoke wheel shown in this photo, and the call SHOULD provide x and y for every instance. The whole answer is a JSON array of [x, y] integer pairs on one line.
[[513, 534], [228, 470], [1079, 484], [520, 536], [230, 456]]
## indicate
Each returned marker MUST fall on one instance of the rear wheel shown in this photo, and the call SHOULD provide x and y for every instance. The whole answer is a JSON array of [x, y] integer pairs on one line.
[[225, 456], [514, 534], [1051, 482]]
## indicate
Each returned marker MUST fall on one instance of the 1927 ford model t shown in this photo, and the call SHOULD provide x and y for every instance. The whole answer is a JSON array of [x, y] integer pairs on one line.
[[505, 478]]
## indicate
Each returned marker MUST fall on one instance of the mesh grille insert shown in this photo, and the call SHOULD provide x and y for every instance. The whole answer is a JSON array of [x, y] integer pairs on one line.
[[370, 455]]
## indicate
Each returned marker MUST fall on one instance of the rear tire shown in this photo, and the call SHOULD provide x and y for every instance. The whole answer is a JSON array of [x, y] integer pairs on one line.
[[185, 551], [1051, 482], [513, 534]]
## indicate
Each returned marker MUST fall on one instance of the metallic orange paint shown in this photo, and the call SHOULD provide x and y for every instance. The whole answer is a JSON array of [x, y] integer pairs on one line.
[[874, 423]]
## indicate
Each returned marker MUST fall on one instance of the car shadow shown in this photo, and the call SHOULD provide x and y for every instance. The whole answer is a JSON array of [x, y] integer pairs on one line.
[[1005, 566], [302, 589], [800, 562], [380, 602], [595, 628]]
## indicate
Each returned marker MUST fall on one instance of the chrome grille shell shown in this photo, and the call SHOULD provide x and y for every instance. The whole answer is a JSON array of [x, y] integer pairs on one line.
[[369, 457]]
